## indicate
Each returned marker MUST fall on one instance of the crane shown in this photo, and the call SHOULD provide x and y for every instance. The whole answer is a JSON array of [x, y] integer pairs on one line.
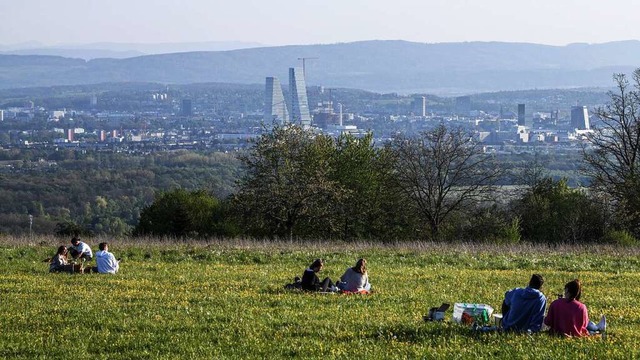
[[304, 59]]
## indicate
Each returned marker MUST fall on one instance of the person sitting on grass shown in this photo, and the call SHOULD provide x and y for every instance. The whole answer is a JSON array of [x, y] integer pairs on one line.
[[310, 280], [523, 308], [59, 261], [355, 279], [568, 316], [105, 261], [80, 250]]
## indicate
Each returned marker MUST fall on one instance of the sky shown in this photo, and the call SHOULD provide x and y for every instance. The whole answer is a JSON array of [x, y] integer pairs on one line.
[[284, 22]]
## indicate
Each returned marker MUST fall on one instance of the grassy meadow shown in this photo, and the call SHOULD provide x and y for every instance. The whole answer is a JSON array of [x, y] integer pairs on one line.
[[226, 300]]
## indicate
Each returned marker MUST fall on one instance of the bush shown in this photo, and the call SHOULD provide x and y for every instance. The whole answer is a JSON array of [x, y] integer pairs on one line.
[[181, 213], [620, 237], [486, 224]]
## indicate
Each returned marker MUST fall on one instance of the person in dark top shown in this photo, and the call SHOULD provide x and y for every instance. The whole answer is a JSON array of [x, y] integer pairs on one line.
[[523, 308], [310, 280]]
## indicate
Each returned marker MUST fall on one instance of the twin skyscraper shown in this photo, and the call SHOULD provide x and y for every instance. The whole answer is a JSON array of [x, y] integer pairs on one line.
[[276, 107]]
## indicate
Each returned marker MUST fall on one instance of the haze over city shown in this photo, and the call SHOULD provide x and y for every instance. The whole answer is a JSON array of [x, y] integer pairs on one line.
[[282, 22]]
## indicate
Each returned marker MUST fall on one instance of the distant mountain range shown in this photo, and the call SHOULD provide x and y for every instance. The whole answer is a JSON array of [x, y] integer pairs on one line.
[[383, 66], [120, 50]]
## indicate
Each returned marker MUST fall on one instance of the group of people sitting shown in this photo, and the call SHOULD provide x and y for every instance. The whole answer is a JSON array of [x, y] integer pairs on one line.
[[354, 280], [106, 262], [523, 310]]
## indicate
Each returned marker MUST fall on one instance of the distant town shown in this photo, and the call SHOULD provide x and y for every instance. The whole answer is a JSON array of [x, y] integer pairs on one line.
[[142, 118]]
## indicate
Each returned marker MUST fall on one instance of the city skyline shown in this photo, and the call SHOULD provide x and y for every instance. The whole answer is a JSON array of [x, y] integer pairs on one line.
[[163, 21]]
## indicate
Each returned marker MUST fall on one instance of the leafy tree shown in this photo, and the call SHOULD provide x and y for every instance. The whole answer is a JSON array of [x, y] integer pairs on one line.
[[286, 190], [613, 157], [441, 172], [70, 228], [551, 212], [369, 207], [181, 213]]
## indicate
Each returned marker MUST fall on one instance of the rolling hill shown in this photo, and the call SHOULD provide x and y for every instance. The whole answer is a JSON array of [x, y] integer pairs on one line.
[[383, 66]]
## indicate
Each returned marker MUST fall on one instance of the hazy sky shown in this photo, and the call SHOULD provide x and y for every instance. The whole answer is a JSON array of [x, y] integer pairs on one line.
[[279, 22]]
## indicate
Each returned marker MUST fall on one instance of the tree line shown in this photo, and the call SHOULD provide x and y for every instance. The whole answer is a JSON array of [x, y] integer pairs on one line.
[[438, 186]]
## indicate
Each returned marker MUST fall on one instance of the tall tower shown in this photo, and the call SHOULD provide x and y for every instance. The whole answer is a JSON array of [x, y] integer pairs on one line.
[[299, 103], [275, 108], [579, 117], [521, 118]]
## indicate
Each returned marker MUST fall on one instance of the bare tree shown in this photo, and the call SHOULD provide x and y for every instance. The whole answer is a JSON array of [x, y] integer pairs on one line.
[[442, 171], [613, 157]]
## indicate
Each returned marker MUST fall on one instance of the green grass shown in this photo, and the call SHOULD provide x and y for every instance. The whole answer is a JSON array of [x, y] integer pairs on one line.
[[227, 301]]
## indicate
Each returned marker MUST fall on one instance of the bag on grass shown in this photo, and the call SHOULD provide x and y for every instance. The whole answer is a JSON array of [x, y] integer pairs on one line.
[[468, 313]]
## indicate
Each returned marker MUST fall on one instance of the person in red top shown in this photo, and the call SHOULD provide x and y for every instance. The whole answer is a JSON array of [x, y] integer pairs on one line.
[[568, 316]]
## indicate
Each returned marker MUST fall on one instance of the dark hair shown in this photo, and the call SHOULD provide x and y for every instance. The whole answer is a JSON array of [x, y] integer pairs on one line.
[[536, 281], [102, 245], [316, 263], [61, 250], [574, 288], [75, 240], [360, 266]]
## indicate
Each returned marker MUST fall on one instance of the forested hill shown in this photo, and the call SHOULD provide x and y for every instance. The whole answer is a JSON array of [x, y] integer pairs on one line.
[[384, 66]]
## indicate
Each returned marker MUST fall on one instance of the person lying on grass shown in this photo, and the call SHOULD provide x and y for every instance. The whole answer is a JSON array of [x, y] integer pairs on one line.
[[356, 278], [310, 280], [523, 308], [568, 316]]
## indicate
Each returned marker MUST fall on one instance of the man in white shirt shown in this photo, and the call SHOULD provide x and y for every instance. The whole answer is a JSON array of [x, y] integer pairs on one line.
[[80, 250], [107, 263]]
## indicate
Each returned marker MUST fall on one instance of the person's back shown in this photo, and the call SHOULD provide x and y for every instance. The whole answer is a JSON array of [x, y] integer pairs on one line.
[[568, 317], [105, 261], [310, 280], [525, 307], [356, 279]]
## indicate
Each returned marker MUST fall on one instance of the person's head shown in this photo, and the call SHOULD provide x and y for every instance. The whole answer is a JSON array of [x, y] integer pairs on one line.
[[360, 266], [62, 250], [75, 241], [573, 290], [317, 265], [536, 281], [103, 246]]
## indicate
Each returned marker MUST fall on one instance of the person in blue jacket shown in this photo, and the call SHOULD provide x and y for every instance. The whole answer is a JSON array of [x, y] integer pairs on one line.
[[523, 308]]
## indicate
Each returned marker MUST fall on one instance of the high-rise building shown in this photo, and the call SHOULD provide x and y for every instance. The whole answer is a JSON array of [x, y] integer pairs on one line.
[[580, 118], [299, 103], [521, 118], [420, 106], [275, 107], [70, 133], [187, 109], [103, 136]]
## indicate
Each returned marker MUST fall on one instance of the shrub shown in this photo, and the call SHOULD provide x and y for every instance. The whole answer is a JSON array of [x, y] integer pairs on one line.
[[620, 237]]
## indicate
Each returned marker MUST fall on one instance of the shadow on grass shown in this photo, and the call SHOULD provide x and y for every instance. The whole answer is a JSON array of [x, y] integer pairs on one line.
[[433, 332]]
